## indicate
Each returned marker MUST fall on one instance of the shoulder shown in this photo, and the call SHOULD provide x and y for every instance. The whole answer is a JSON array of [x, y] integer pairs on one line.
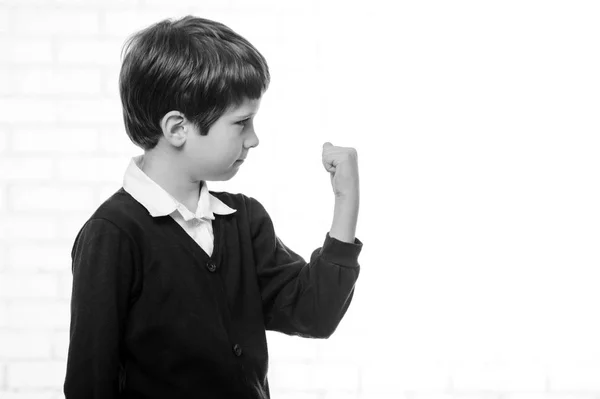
[[120, 206], [120, 212]]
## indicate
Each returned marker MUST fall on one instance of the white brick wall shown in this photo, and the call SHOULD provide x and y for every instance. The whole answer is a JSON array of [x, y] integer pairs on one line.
[[28, 345], [42, 81], [35, 21], [41, 140], [580, 377], [512, 377], [485, 258], [32, 374], [26, 51]]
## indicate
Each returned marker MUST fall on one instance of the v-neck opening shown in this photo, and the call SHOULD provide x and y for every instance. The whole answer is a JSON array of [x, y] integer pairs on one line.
[[186, 240], [192, 244]]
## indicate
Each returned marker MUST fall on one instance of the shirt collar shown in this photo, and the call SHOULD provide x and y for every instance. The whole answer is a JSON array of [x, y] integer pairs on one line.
[[160, 203]]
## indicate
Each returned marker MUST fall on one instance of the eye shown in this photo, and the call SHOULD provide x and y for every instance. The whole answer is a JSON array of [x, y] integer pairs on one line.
[[243, 122]]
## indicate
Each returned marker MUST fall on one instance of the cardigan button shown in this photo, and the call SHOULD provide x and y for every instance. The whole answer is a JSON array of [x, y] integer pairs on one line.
[[211, 266], [237, 350]]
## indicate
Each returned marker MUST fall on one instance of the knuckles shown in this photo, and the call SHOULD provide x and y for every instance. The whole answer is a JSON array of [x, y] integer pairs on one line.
[[351, 153], [336, 155], [343, 151]]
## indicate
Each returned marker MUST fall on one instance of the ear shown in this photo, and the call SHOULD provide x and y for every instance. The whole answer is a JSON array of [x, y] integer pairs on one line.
[[173, 126]]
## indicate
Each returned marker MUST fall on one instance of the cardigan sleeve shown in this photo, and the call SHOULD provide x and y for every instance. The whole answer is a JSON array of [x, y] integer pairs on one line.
[[300, 298], [103, 273]]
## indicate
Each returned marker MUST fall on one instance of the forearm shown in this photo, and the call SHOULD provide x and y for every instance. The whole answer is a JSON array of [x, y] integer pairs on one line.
[[345, 217]]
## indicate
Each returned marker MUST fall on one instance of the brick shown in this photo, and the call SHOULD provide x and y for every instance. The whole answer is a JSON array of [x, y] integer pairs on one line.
[[342, 395], [25, 51], [477, 395], [50, 198], [575, 378], [39, 314], [69, 225], [3, 321], [392, 377], [105, 191], [223, 4], [499, 377], [259, 34], [6, 82], [3, 193], [382, 396], [103, 3], [337, 377], [123, 23], [56, 257], [25, 168], [28, 285], [4, 134], [22, 345], [3, 257], [5, 20], [40, 374], [32, 21], [290, 348], [89, 52], [55, 81], [349, 347], [33, 394], [30, 110], [550, 395], [295, 395], [65, 286], [286, 375], [60, 345], [93, 169], [24, 2], [54, 140], [96, 3], [89, 111], [110, 82], [20, 227], [115, 141]]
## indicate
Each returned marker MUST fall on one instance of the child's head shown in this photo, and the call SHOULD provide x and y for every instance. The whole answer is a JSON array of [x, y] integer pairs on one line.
[[190, 73]]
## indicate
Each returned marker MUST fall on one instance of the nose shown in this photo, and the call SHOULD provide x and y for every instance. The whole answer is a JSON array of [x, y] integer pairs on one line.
[[252, 140]]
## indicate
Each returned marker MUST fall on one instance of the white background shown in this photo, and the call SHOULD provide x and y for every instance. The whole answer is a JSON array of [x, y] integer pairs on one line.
[[478, 133]]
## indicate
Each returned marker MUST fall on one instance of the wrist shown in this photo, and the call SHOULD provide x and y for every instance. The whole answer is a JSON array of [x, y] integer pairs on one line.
[[349, 195], [345, 216]]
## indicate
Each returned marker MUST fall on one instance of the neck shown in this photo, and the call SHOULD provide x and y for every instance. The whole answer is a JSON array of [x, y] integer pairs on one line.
[[168, 174]]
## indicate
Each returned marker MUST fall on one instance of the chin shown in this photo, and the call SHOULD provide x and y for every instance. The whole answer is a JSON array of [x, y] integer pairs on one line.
[[226, 176]]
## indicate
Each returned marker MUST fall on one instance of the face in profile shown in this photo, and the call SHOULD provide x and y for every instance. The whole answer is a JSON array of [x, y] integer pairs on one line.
[[218, 155]]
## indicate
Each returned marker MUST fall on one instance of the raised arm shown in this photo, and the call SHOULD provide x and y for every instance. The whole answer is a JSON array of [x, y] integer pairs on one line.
[[300, 298]]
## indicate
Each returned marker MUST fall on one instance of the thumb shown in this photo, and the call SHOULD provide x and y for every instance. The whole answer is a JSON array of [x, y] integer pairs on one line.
[[328, 163]]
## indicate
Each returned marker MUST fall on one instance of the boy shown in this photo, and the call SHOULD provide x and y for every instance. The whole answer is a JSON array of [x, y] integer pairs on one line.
[[174, 285]]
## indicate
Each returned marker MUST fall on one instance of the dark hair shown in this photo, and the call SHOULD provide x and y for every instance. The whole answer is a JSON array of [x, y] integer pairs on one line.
[[193, 65]]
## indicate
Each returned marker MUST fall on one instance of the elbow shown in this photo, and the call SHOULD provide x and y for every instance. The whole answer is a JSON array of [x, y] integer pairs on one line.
[[324, 328], [326, 333]]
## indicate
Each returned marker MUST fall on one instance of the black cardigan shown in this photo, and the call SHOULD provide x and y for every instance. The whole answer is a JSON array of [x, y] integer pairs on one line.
[[153, 316]]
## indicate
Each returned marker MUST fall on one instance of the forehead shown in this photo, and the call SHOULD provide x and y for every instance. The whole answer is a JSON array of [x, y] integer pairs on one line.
[[246, 108]]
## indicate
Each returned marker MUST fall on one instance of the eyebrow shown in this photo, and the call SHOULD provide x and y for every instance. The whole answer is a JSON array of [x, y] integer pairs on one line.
[[244, 116]]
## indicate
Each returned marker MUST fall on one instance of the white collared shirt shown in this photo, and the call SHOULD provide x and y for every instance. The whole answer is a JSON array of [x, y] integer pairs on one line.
[[158, 202]]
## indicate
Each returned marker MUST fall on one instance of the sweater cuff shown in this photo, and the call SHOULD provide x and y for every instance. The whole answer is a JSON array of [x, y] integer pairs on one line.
[[341, 253]]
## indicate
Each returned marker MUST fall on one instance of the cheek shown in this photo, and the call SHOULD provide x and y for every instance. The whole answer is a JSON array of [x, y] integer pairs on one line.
[[222, 153]]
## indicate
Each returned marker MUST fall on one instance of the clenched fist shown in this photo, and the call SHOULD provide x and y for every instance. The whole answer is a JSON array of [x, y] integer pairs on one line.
[[342, 164]]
